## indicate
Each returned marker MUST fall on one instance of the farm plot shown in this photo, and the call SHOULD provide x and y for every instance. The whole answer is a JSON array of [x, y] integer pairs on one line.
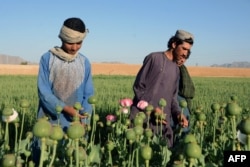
[[213, 135]]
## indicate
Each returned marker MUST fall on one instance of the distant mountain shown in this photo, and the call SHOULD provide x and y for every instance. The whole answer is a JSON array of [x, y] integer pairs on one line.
[[243, 64], [7, 59]]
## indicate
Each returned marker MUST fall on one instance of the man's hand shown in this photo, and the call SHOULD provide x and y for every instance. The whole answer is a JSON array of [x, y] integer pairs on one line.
[[71, 111], [183, 120]]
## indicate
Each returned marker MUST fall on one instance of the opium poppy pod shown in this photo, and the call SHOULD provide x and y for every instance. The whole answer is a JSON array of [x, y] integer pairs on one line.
[[233, 109], [8, 160], [75, 130], [245, 126], [162, 102], [183, 103], [24, 103], [215, 106], [92, 100], [189, 138], [7, 111], [42, 128], [201, 116], [146, 152], [138, 130], [130, 134], [192, 150], [138, 121], [77, 106], [57, 133]]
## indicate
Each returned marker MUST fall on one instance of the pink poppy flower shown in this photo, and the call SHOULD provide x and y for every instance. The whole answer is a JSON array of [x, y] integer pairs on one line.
[[126, 102], [142, 104], [111, 118]]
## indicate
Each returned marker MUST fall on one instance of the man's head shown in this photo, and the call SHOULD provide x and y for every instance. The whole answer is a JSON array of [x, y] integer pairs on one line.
[[72, 34], [180, 44], [73, 30]]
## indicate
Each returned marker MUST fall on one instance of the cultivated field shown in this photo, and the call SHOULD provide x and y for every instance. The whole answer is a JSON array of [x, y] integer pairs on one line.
[[130, 69]]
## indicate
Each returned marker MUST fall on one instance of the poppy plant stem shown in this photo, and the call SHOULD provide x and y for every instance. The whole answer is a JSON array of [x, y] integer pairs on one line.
[[43, 145], [54, 153]]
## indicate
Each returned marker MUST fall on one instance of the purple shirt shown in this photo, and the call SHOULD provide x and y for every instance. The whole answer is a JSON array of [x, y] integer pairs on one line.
[[158, 78]]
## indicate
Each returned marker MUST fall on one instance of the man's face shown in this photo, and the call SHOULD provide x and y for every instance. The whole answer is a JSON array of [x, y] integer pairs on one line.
[[181, 53], [71, 48]]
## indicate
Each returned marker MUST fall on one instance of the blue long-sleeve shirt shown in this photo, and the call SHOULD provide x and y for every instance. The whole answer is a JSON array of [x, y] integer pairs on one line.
[[63, 83]]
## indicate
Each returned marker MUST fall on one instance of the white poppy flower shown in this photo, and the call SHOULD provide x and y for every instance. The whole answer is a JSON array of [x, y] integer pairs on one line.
[[10, 118], [241, 137], [125, 111]]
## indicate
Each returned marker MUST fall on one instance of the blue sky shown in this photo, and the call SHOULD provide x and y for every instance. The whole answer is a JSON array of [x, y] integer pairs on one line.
[[127, 30]]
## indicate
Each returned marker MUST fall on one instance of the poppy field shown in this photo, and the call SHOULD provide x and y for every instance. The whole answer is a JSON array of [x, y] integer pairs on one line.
[[219, 121]]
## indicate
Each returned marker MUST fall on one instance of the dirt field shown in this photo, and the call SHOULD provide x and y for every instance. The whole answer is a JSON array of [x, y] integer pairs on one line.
[[130, 69]]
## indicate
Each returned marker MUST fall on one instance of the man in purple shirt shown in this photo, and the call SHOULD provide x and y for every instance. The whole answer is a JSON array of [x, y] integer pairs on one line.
[[158, 79]]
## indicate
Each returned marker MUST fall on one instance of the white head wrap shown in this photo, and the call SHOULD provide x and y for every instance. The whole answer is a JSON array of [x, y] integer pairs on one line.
[[71, 36]]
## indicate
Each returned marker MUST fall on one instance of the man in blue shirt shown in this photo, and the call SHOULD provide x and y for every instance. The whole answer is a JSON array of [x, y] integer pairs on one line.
[[65, 76]]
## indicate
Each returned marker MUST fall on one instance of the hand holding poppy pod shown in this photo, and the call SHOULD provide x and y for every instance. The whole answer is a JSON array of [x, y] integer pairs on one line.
[[70, 110], [183, 120], [142, 104]]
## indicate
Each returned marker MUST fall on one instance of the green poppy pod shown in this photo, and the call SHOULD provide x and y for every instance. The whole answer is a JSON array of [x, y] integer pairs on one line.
[[192, 150], [7, 111], [75, 130], [92, 100], [138, 121], [82, 154], [149, 108], [8, 160], [183, 103], [233, 109], [215, 106], [110, 145], [77, 106], [130, 134], [24, 103], [142, 115], [148, 132], [127, 122], [69, 151], [29, 135], [244, 126], [234, 98], [57, 133], [138, 130], [189, 138], [96, 117], [42, 128], [162, 102], [59, 109], [201, 116], [146, 152], [27, 153]]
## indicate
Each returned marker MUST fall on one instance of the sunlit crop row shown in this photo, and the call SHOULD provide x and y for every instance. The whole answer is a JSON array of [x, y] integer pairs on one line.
[[213, 120]]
